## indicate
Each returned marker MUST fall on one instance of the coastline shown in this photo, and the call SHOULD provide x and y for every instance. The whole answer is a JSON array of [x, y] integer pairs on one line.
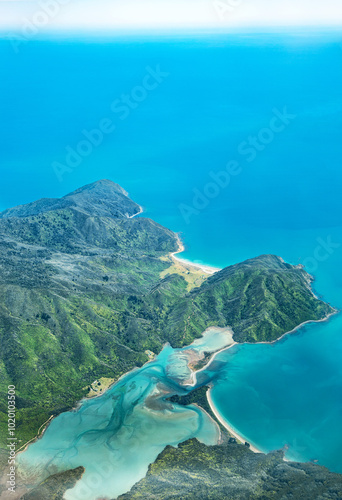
[[40, 434], [224, 422], [203, 267], [138, 213], [192, 381], [227, 426], [218, 417], [194, 374], [310, 321], [76, 406], [181, 248]]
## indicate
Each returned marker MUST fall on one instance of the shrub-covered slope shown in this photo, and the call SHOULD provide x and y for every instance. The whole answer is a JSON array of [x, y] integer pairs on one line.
[[55, 486], [261, 299], [81, 298], [232, 471]]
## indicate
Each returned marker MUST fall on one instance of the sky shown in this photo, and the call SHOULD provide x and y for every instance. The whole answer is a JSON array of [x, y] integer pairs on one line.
[[85, 15]]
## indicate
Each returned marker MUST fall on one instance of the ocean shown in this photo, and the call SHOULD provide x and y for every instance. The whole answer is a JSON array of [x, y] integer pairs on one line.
[[234, 141]]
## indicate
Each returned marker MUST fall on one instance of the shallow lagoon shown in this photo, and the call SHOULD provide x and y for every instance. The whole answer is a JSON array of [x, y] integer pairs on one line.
[[257, 389], [117, 435]]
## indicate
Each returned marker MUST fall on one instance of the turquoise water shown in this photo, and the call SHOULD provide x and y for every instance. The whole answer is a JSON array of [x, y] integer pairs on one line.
[[287, 394], [220, 90], [117, 435]]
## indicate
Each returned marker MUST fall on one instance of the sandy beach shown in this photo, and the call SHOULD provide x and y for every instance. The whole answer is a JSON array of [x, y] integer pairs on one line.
[[227, 426], [138, 213], [206, 269], [187, 263], [210, 401], [213, 409]]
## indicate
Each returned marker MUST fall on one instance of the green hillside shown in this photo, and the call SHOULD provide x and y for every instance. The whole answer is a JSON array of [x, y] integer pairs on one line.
[[81, 298]]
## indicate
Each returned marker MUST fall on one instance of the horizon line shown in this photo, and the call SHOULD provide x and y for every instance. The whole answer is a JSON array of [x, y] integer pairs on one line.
[[174, 29]]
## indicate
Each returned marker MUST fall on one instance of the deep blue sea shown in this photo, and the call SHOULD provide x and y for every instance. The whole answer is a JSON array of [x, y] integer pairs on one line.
[[232, 140]]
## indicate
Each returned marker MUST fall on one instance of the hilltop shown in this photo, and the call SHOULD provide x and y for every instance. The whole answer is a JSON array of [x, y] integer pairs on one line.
[[103, 198]]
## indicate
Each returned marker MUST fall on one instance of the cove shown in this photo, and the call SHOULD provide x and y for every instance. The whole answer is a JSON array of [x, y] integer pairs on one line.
[[287, 394]]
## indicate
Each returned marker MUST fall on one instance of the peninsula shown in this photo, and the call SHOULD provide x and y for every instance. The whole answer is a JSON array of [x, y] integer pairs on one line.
[[88, 290]]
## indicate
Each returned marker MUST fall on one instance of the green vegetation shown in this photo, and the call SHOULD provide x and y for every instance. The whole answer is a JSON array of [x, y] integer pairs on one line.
[[260, 299], [81, 297], [232, 471], [198, 396], [55, 486]]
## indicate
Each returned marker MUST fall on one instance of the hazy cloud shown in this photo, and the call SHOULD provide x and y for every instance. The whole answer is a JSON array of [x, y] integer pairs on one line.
[[144, 14]]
